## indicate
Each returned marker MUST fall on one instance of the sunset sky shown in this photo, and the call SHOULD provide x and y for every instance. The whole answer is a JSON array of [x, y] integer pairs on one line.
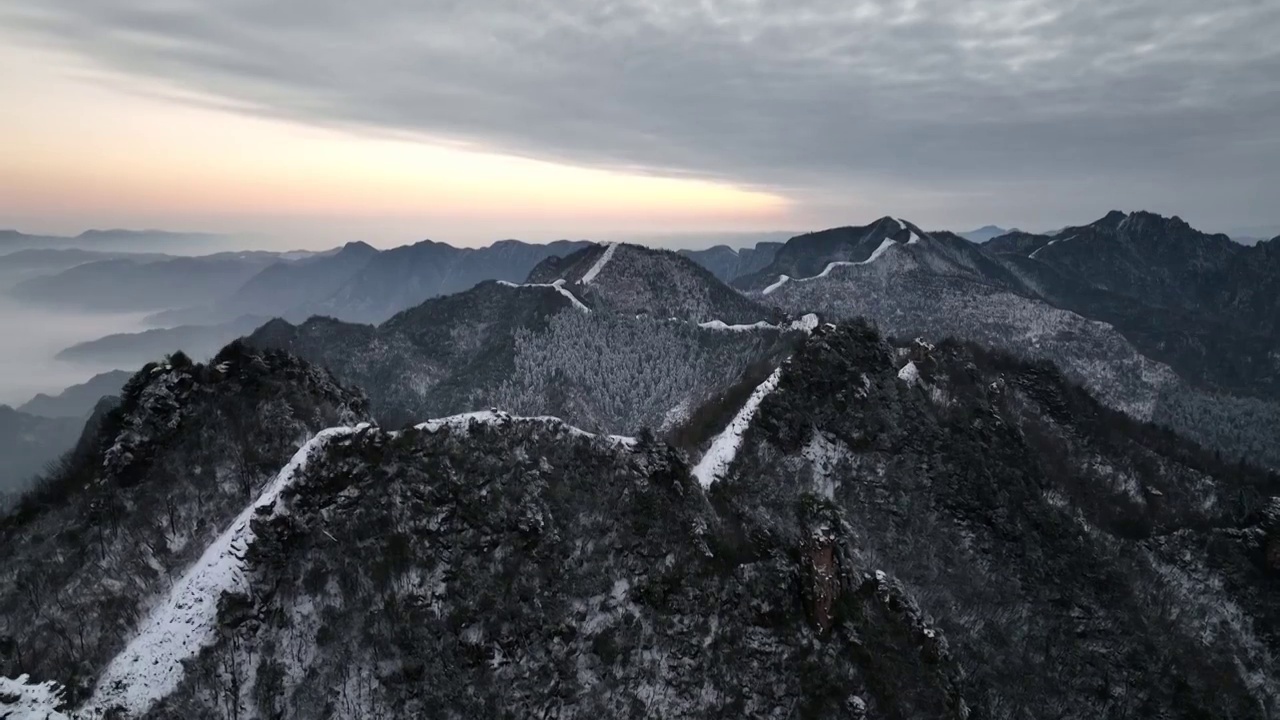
[[318, 122]]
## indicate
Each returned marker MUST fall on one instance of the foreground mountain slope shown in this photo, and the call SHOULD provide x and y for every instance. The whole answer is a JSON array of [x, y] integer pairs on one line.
[[534, 348], [91, 549], [1049, 537], [905, 532], [631, 279]]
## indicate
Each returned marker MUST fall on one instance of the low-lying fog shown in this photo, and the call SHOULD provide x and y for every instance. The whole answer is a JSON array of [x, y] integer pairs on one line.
[[30, 336]]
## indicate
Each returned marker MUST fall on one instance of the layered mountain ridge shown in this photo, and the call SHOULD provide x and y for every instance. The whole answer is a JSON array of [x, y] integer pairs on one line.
[[590, 337]]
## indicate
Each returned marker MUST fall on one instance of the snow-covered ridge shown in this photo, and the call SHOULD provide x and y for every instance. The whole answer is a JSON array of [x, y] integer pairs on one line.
[[875, 255], [716, 460], [777, 284], [21, 699], [558, 286], [805, 324], [604, 259], [1049, 244], [150, 667], [498, 417]]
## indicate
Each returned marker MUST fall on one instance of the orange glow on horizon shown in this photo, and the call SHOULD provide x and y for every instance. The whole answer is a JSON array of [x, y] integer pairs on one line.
[[80, 149]]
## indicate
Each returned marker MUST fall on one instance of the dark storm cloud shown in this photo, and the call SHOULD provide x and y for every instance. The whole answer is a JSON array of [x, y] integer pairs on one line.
[[815, 97]]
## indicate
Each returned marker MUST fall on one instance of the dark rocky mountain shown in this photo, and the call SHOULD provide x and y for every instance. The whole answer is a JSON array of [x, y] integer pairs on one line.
[[729, 264], [933, 288], [899, 532], [28, 444], [1200, 303], [535, 349], [1017, 242], [818, 254], [155, 480], [635, 280], [131, 349], [1136, 354], [129, 285], [397, 279]]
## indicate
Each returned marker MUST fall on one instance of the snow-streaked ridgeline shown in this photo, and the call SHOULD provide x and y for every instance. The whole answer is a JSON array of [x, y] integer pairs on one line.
[[558, 286], [605, 257], [875, 255], [719, 456], [151, 665]]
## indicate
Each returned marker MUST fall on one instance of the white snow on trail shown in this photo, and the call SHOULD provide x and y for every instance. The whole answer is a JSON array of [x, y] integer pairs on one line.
[[875, 255], [21, 699], [1051, 243], [499, 417], [781, 279], [720, 325], [558, 286], [724, 448], [605, 257], [884, 247], [806, 324], [150, 666]]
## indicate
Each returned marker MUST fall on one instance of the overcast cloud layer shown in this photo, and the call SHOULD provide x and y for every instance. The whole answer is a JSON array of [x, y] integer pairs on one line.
[[1061, 107]]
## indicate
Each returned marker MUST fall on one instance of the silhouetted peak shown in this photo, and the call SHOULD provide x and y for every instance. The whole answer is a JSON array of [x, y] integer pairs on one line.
[[357, 247]]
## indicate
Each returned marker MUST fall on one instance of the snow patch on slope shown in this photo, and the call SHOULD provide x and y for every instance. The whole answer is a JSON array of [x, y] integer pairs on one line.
[[150, 667], [724, 448], [605, 257], [558, 286], [20, 699], [909, 373]]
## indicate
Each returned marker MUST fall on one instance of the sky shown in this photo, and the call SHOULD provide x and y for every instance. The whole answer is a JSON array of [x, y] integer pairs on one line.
[[320, 121]]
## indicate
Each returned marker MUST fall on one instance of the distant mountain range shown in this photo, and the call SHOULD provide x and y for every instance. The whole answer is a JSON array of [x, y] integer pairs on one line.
[[130, 283], [985, 233], [359, 283], [77, 401], [116, 240]]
